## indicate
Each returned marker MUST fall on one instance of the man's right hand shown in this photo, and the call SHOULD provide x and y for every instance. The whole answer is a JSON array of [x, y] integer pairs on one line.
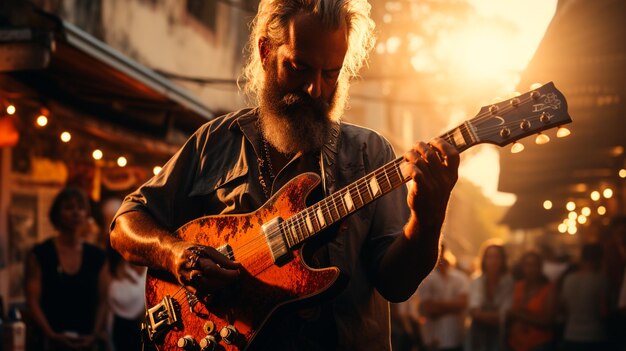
[[202, 269]]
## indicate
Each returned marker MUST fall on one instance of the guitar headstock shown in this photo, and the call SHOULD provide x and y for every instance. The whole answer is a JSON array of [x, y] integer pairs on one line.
[[510, 120]]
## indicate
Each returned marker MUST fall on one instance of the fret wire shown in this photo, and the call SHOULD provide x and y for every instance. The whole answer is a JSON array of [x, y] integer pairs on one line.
[[314, 221], [356, 188], [397, 168], [343, 203], [329, 213], [334, 203], [369, 190], [302, 227], [387, 177], [343, 199], [285, 235]]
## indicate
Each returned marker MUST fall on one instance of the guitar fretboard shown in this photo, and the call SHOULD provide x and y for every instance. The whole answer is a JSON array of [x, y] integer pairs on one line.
[[365, 190]]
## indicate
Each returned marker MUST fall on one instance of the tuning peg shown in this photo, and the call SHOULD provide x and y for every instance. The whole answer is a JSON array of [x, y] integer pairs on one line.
[[562, 132], [517, 148], [541, 139]]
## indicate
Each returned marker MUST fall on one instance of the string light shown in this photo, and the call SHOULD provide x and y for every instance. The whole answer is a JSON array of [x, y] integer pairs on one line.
[[562, 132], [547, 204], [582, 219], [11, 109], [122, 161], [608, 193], [595, 195], [517, 148], [572, 230], [571, 206], [66, 137], [562, 228], [572, 215], [542, 139], [156, 170], [622, 173], [601, 210], [97, 154], [586, 211], [42, 121]]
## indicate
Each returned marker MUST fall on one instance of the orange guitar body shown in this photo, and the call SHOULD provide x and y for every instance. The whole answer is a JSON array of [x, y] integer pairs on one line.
[[263, 286]]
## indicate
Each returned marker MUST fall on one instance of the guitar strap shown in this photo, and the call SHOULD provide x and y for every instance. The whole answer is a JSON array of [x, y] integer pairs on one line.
[[328, 160]]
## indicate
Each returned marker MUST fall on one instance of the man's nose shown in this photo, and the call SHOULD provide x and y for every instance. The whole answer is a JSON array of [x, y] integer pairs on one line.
[[314, 86]]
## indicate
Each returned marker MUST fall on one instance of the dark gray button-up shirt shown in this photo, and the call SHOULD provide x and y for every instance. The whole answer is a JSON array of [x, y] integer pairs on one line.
[[217, 172]]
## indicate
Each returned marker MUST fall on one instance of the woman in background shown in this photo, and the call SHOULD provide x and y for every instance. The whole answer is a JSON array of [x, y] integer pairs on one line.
[[531, 317], [66, 279], [489, 299]]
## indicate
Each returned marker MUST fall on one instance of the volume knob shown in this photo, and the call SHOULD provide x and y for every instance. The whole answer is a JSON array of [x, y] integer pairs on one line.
[[187, 343], [229, 334], [208, 343]]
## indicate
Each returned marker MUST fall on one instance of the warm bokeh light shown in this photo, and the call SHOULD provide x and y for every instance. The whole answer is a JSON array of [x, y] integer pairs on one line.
[[572, 230], [156, 170], [582, 219], [601, 210], [66, 137], [595, 195], [562, 228], [571, 206], [535, 86], [11, 109], [42, 121], [517, 148], [97, 154], [586, 211], [122, 161], [571, 222], [562, 132], [572, 215], [607, 193], [542, 139], [622, 173], [547, 204]]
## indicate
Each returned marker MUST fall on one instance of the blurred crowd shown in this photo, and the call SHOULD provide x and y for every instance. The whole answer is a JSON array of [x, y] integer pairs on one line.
[[81, 295], [537, 302]]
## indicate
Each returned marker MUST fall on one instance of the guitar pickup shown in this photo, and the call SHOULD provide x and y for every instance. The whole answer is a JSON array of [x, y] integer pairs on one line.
[[162, 317], [276, 242]]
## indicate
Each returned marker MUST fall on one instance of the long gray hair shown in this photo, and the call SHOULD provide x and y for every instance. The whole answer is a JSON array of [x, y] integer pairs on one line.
[[272, 20]]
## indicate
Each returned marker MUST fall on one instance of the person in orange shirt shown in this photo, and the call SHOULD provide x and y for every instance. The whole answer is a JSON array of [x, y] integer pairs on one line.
[[531, 317]]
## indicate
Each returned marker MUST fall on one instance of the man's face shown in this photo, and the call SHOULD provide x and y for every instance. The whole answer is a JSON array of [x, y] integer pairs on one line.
[[303, 92]]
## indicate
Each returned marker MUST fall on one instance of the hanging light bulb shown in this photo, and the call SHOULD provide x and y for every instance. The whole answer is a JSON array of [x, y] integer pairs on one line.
[[122, 161], [517, 148], [542, 139], [571, 206], [42, 121], [11, 109], [595, 195], [562, 132], [97, 154], [608, 193], [547, 204], [66, 137]]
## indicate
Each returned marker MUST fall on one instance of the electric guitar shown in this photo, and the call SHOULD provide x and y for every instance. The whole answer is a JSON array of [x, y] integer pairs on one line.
[[269, 242]]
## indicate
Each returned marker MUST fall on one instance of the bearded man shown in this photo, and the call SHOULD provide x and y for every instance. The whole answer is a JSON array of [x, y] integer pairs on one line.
[[303, 54]]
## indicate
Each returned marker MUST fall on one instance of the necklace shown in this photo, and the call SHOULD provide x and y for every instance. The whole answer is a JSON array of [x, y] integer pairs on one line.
[[266, 171]]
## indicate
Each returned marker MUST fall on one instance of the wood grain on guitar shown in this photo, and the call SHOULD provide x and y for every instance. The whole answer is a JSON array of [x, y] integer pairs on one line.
[[268, 242]]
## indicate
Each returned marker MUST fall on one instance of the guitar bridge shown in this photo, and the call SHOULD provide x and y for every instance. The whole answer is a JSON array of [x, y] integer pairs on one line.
[[162, 317]]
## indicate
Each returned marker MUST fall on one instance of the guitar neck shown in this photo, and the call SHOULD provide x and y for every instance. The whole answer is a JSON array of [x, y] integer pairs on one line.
[[356, 195]]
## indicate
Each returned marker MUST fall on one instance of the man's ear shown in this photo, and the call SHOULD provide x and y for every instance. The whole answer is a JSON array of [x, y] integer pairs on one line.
[[264, 49]]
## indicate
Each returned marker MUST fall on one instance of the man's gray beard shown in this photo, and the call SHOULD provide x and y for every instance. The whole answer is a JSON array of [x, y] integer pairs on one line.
[[299, 129]]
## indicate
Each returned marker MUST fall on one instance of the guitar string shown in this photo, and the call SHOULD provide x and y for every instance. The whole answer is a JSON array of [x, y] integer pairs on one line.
[[485, 115], [299, 219]]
